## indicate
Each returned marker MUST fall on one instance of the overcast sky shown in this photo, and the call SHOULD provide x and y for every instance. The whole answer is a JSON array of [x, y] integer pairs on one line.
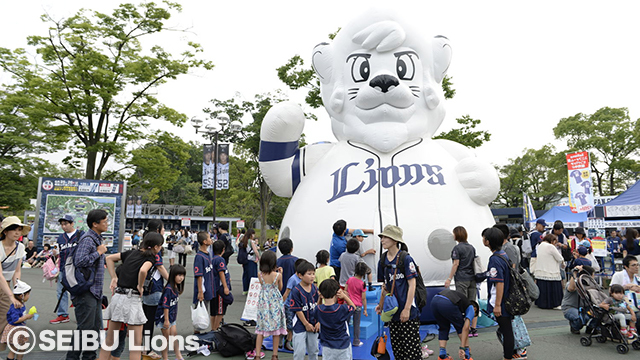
[[518, 66]]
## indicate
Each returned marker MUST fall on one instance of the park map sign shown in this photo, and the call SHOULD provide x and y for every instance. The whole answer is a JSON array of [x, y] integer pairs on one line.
[[77, 197]]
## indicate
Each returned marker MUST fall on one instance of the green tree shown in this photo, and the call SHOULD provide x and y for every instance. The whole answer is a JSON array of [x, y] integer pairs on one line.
[[93, 76], [541, 173], [466, 134], [611, 138]]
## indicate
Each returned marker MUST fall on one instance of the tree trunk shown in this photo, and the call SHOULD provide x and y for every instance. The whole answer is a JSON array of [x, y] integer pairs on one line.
[[91, 165]]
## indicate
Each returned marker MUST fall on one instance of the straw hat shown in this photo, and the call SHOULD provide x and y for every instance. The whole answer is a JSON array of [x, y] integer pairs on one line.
[[392, 232], [13, 220]]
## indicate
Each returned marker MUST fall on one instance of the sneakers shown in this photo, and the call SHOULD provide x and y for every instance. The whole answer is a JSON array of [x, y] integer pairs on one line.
[[358, 343], [628, 334], [288, 345], [59, 320], [252, 355], [447, 358], [473, 332], [521, 354], [633, 331]]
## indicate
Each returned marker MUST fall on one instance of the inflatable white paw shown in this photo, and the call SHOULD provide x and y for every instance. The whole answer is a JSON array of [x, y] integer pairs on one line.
[[381, 85]]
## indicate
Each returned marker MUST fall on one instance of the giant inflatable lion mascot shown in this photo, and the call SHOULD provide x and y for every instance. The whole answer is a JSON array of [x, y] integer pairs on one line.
[[381, 85]]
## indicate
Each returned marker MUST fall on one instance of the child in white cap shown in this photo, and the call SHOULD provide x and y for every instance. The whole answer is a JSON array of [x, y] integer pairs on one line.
[[17, 317]]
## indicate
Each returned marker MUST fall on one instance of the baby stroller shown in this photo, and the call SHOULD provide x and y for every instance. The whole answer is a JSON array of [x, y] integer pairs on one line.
[[601, 325]]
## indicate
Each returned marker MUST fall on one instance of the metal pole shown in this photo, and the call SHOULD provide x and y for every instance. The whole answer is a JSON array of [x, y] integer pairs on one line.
[[215, 177]]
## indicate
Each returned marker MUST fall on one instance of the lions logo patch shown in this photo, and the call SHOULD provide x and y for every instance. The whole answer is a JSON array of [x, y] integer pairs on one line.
[[493, 272], [412, 267]]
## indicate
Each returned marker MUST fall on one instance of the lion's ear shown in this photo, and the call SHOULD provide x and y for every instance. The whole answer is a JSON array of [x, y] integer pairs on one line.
[[441, 57], [321, 60]]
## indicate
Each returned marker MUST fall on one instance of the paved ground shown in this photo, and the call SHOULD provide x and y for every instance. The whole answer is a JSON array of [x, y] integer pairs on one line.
[[547, 328]]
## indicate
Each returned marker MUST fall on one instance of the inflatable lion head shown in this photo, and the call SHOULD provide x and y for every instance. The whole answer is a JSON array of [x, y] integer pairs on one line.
[[381, 81]]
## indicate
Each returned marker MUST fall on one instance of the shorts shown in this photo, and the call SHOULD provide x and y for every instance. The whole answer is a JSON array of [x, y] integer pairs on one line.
[[217, 306], [171, 254], [336, 354], [161, 325], [288, 314], [126, 309], [468, 288]]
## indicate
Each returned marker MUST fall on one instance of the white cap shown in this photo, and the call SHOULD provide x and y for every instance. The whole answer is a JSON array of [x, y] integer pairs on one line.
[[21, 287]]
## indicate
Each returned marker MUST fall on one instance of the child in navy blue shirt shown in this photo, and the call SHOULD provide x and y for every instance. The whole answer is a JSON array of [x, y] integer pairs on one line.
[[304, 299], [203, 289], [222, 284], [167, 313], [333, 318], [17, 317], [498, 286], [293, 281], [286, 261]]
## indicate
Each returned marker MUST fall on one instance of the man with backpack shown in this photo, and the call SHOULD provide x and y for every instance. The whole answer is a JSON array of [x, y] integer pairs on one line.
[[223, 234], [88, 257], [66, 240]]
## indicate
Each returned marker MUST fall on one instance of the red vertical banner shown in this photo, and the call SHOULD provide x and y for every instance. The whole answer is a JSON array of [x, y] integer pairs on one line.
[[579, 182]]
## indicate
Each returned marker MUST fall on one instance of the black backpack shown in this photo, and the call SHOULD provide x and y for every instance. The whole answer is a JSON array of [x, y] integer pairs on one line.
[[421, 290], [517, 301], [233, 340]]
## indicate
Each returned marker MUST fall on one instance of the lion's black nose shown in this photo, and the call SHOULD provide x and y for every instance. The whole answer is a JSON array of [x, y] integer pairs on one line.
[[384, 82]]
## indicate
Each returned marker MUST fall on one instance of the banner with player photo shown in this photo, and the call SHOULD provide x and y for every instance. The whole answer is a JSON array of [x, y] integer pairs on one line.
[[208, 166], [223, 167], [580, 194]]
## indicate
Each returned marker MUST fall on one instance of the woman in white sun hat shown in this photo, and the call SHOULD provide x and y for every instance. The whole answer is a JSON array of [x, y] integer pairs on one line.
[[11, 254]]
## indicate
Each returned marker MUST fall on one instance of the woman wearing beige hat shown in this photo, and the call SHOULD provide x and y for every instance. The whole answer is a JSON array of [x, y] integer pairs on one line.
[[404, 326], [11, 253]]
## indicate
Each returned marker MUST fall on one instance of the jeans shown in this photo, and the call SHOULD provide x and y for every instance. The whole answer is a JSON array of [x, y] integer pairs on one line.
[[88, 311], [249, 270], [182, 259], [575, 320], [303, 342], [63, 308], [357, 315]]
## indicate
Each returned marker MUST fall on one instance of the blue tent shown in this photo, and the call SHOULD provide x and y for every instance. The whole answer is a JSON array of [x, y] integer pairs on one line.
[[564, 214], [626, 204]]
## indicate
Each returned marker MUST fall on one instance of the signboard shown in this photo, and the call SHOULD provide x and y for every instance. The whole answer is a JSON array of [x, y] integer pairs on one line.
[[77, 197], [580, 194], [599, 248], [240, 224], [250, 311], [222, 179], [185, 222]]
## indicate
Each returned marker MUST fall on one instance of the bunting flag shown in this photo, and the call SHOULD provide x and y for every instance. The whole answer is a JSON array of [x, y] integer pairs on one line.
[[529, 215], [580, 193]]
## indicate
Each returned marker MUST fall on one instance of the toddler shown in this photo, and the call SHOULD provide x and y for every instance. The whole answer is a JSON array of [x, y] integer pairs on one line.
[[621, 310]]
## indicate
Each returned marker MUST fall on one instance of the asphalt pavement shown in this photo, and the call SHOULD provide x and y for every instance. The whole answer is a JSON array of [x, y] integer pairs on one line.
[[548, 330]]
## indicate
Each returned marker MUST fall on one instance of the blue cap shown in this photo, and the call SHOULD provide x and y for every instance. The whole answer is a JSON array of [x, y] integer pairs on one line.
[[541, 221], [583, 251], [359, 232], [67, 217]]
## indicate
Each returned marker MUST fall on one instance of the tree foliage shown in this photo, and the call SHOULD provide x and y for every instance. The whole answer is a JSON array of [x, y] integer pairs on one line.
[[611, 138], [93, 76], [541, 173], [466, 134]]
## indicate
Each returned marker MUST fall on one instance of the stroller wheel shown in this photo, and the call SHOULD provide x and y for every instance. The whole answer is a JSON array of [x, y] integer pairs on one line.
[[585, 341], [636, 345], [622, 349], [601, 339]]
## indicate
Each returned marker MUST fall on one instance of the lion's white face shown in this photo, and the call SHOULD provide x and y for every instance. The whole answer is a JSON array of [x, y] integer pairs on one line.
[[375, 86]]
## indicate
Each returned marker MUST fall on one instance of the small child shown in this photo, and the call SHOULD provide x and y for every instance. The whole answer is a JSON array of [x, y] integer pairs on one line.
[[17, 318], [359, 235], [304, 299], [286, 261], [167, 313], [323, 270], [271, 320], [357, 291], [582, 257], [617, 305], [222, 283], [333, 317], [348, 261], [293, 281], [203, 289]]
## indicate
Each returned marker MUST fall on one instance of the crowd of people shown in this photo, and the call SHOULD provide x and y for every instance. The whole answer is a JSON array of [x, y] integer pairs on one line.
[[304, 303]]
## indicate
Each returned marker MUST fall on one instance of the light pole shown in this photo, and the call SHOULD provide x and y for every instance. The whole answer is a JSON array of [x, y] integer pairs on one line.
[[212, 130]]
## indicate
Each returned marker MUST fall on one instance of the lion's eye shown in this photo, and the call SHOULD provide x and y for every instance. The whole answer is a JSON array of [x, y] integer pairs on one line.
[[405, 66], [360, 68]]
